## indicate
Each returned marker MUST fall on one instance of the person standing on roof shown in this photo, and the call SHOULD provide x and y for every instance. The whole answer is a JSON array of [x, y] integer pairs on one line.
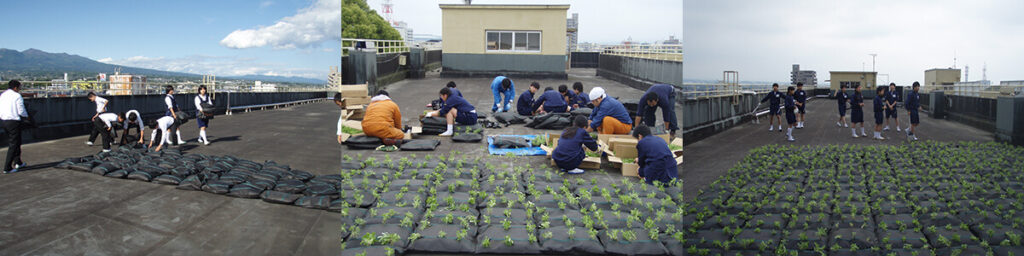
[[609, 116], [890, 108], [455, 110], [655, 159], [913, 104], [879, 106], [790, 105], [568, 155], [658, 96], [13, 113], [842, 98], [774, 99], [801, 97], [552, 101], [202, 120], [524, 106], [502, 85], [341, 117], [383, 119], [101, 107], [857, 111], [172, 111]]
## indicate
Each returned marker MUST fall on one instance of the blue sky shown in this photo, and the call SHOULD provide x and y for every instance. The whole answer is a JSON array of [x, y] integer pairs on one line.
[[226, 38]]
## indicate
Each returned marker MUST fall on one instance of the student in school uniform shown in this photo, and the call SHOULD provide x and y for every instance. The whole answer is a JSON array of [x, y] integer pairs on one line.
[[654, 157], [879, 107], [774, 99], [451, 85], [552, 101], [890, 108], [455, 110], [801, 97], [842, 98], [524, 105], [341, 117], [609, 115], [172, 111], [502, 86], [103, 125], [913, 104], [132, 119], [569, 154], [201, 119], [791, 105], [13, 113], [658, 96], [163, 127], [857, 112], [581, 100], [101, 107]]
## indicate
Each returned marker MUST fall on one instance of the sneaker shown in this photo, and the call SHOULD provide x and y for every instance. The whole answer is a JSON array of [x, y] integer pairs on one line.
[[446, 133], [855, 135], [790, 139], [846, 125], [182, 142], [913, 137], [863, 134], [206, 143], [771, 128], [898, 129], [106, 150], [780, 128], [839, 124], [19, 166], [88, 143], [908, 132], [576, 171], [886, 128]]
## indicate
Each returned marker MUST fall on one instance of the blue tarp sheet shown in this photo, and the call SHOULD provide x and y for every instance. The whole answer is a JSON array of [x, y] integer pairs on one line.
[[531, 151]]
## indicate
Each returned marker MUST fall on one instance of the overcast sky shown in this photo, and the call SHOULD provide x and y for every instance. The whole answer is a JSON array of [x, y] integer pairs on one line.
[[601, 21], [762, 39]]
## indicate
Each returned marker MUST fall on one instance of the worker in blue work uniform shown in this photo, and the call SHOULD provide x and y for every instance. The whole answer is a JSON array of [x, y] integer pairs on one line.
[[913, 104], [552, 101], [842, 98], [790, 106], [654, 158], [172, 111], [800, 96], [502, 85], [455, 110], [658, 96], [857, 111], [524, 106], [774, 98], [580, 100], [890, 110], [568, 155], [879, 107]]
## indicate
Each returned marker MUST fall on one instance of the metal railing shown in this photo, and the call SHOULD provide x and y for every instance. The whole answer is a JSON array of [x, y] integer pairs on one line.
[[382, 46], [697, 90], [47, 89], [671, 52]]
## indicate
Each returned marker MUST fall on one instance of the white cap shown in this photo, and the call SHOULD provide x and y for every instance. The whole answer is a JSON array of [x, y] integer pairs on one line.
[[595, 93]]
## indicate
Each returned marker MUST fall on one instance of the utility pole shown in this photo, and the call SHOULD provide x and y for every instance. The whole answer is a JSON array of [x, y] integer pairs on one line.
[[873, 61]]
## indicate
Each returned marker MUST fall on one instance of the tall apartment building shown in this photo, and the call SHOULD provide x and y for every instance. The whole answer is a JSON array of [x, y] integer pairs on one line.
[[572, 26], [807, 77]]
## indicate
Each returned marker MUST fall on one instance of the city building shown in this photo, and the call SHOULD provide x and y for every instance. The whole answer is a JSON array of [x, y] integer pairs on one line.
[[571, 34], [259, 86], [940, 79], [126, 84], [808, 77], [404, 30], [972, 88], [867, 80], [334, 78], [517, 40]]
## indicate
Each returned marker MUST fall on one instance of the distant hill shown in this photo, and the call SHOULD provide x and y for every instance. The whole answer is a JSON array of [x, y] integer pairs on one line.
[[39, 64]]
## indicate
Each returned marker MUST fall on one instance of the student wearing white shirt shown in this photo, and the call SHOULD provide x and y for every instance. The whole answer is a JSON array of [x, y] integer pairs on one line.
[[341, 118], [161, 126], [172, 111], [201, 119], [101, 107], [12, 112], [103, 125], [132, 119]]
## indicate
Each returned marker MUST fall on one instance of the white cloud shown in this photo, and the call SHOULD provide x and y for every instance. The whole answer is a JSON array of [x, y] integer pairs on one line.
[[217, 65], [310, 27], [266, 4]]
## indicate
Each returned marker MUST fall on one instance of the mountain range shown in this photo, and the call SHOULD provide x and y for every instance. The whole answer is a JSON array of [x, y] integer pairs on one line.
[[39, 64]]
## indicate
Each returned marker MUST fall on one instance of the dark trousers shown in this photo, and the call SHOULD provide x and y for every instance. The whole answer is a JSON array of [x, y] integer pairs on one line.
[[13, 129], [100, 128], [124, 135], [173, 135]]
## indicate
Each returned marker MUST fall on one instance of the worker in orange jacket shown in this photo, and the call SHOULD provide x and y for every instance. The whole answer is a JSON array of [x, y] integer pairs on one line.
[[383, 119]]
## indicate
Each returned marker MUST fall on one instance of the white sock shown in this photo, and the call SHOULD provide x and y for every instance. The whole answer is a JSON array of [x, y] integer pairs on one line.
[[202, 135], [854, 131], [178, 132], [862, 131], [450, 127], [789, 132]]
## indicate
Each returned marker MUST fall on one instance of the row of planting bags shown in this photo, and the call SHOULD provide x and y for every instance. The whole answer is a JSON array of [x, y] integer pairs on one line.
[[223, 175]]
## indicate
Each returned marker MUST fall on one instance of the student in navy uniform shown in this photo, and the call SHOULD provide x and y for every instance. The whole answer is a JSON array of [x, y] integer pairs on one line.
[[890, 110], [172, 111], [524, 106], [451, 86], [842, 98], [879, 107], [201, 119], [654, 158], [791, 105], [132, 119], [581, 99], [568, 155], [658, 96], [857, 112], [801, 97], [104, 126], [552, 101], [455, 110], [774, 98], [913, 104], [13, 113]]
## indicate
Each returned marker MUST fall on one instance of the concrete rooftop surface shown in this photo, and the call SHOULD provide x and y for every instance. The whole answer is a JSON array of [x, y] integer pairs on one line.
[[58, 212]]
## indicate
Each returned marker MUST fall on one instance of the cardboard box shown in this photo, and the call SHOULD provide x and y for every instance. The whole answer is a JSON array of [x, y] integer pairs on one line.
[[677, 142], [356, 90], [592, 163], [357, 100], [354, 112], [607, 137], [354, 124], [630, 170], [679, 157]]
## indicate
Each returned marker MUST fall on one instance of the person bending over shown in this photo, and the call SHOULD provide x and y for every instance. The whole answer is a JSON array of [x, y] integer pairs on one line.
[[654, 158], [568, 155], [455, 110]]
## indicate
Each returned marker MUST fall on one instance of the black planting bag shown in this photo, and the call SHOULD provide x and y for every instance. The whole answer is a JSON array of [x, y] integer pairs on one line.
[[64, 164], [511, 142], [194, 182], [434, 121], [104, 168], [509, 118], [434, 130], [117, 174], [301, 175], [245, 190], [232, 178], [496, 234], [580, 243], [476, 128], [85, 167], [581, 112], [420, 145], [314, 202], [642, 245], [321, 190], [140, 175], [336, 205], [363, 142], [264, 184], [167, 179], [468, 137], [431, 242], [278, 197], [217, 187], [182, 171], [290, 186]]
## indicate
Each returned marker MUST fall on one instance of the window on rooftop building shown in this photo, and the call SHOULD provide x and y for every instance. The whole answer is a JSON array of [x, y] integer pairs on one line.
[[513, 41]]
